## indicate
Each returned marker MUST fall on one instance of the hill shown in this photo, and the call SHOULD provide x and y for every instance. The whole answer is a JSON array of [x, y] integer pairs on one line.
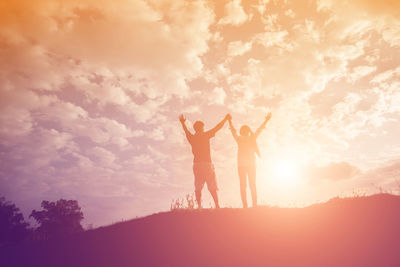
[[362, 231]]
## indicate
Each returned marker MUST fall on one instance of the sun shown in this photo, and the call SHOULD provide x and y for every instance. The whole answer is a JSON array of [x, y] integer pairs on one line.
[[286, 171], [283, 172]]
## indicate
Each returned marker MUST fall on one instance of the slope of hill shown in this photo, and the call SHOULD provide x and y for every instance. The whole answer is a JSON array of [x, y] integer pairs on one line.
[[362, 231]]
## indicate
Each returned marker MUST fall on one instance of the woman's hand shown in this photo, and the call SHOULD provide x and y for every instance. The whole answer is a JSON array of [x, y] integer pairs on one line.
[[268, 117]]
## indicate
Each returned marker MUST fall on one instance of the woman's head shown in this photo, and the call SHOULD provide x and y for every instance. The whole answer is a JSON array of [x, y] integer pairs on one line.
[[245, 130]]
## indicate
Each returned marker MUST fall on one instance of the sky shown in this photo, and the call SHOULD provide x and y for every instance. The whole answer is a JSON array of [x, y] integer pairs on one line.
[[91, 91]]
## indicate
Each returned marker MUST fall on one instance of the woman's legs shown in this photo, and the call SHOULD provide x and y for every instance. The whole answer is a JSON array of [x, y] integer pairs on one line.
[[252, 184], [243, 184]]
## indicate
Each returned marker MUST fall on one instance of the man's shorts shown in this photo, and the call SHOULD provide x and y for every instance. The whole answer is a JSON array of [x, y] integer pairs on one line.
[[204, 173]]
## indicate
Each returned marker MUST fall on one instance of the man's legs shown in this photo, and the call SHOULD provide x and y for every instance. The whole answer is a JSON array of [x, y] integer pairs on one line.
[[198, 183], [243, 184], [252, 184], [215, 197], [198, 198], [212, 183]]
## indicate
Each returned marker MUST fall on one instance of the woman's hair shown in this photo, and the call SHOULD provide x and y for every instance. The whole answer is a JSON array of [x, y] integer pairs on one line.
[[245, 130]]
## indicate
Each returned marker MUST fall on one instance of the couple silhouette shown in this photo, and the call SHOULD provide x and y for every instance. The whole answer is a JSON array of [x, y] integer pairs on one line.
[[203, 168]]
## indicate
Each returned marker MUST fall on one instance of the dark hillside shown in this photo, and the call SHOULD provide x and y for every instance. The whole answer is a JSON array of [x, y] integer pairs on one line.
[[363, 231]]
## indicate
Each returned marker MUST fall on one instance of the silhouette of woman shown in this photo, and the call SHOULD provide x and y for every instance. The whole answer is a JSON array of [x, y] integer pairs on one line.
[[247, 148]]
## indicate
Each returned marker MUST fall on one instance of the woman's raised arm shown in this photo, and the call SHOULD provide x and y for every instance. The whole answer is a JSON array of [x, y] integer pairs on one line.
[[262, 126]]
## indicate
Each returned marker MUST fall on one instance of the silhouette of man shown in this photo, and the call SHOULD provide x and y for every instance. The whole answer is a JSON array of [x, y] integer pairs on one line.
[[203, 168]]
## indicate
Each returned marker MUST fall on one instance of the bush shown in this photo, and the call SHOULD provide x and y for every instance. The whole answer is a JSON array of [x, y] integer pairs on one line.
[[13, 227], [62, 217]]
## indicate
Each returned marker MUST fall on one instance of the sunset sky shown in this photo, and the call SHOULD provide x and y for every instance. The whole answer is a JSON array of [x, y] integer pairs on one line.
[[91, 91]]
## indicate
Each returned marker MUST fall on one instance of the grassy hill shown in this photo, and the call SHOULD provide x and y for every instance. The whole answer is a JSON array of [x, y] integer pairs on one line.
[[362, 231]]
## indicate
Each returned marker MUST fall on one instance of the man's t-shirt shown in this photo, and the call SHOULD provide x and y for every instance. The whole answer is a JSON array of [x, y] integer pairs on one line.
[[201, 146]]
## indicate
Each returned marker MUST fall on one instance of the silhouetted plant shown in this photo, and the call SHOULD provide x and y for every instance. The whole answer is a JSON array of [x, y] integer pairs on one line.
[[176, 204], [179, 203], [190, 202], [13, 227], [358, 193], [58, 218]]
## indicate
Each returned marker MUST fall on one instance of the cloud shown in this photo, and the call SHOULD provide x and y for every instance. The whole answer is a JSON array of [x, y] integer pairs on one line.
[[391, 34], [84, 33], [103, 157], [383, 178], [390, 171], [334, 171], [360, 72], [379, 7], [16, 105], [323, 5], [238, 48], [290, 13], [217, 96], [157, 134], [374, 7], [143, 160], [308, 31], [262, 6], [234, 14]]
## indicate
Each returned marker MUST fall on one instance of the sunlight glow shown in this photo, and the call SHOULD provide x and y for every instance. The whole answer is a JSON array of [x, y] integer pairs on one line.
[[286, 172], [283, 172]]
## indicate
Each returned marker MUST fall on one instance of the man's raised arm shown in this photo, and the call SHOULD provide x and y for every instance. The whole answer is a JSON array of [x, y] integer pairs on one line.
[[218, 127], [188, 134], [233, 130], [262, 126]]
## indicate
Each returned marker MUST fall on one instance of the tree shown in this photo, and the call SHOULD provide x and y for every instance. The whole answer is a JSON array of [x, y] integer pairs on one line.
[[13, 227], [58, 218]]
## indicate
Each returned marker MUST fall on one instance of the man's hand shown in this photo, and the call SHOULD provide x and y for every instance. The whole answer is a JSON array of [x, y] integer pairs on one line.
[[182, 118], [268, 117], [228, 117]]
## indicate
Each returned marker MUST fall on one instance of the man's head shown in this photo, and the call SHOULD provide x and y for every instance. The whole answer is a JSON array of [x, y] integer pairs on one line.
[[198, 126], [245, 130]]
